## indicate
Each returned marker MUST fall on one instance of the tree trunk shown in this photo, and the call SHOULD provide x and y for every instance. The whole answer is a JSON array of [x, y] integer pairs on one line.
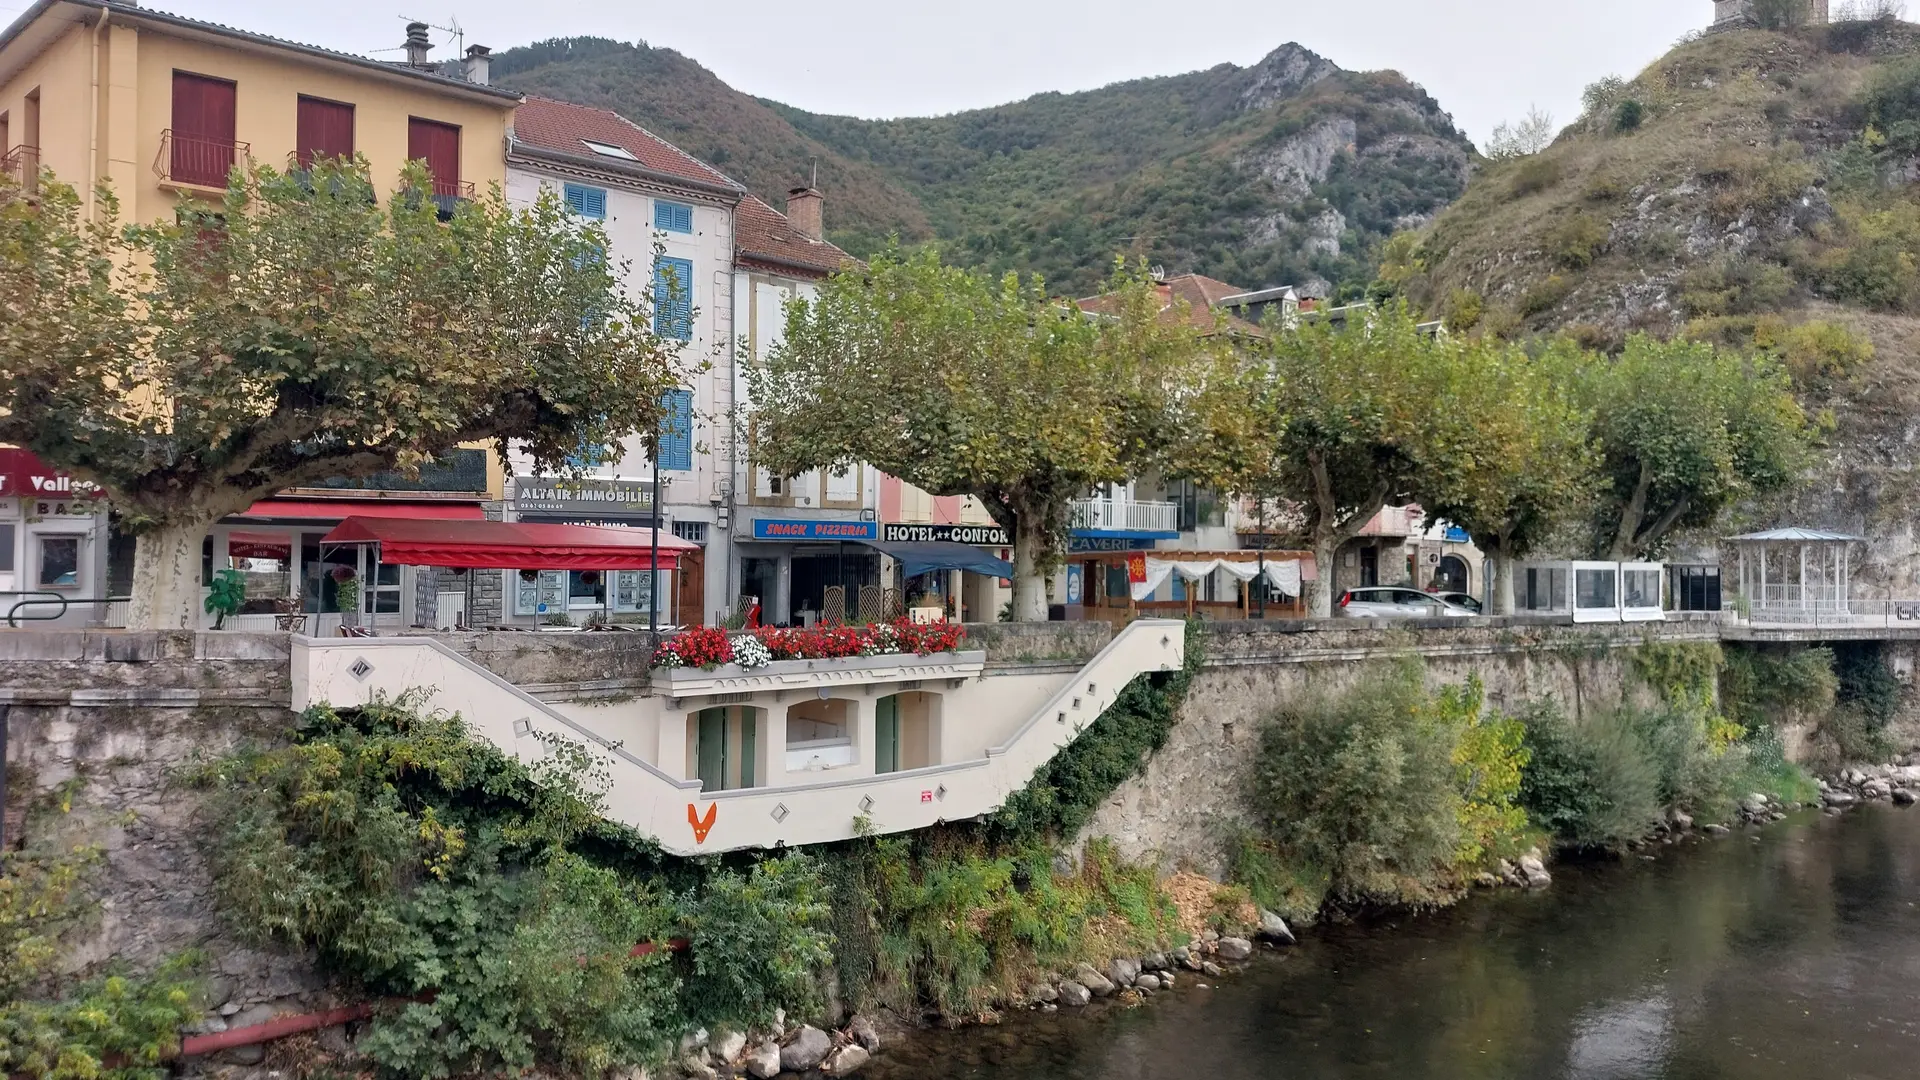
[[166, 577], [1029, 560], [1320, 590], [1504, 567]]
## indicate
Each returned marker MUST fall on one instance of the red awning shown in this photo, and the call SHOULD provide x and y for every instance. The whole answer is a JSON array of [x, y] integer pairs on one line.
[[508, 545], [328, 510]]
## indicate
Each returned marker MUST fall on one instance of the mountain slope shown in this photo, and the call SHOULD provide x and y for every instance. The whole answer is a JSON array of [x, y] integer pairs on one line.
[[1765, 198], [1279, 173]]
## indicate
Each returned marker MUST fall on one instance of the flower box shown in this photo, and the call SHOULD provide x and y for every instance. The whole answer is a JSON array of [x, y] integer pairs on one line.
[[679, 682]]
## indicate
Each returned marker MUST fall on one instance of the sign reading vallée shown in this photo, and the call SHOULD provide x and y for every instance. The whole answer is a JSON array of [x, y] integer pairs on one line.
[[23, 474], [975, 535]]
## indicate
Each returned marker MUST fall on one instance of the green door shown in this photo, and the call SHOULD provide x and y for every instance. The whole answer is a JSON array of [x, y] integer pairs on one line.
[[749, 745], [886, 736], [711, 752]]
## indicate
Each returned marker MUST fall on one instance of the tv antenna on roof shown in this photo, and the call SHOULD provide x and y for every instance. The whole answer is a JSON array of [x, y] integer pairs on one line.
[[453, 27]]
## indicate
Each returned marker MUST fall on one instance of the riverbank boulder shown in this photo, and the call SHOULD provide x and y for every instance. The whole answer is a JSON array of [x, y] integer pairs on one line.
[[1534, 871], [1123, 972], [1041, 993], [1148, 983], [808, 1049], [1274, 928], [1903, 797], [1074, 995], [763, 1063], [1086, 975], [864, 1033], [846, 1060], [1235, 948]]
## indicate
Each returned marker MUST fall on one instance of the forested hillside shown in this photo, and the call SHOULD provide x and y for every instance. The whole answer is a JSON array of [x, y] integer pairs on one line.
[[1281, 173]]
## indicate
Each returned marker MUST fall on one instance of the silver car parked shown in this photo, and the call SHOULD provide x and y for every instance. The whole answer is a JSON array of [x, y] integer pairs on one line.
[[1387, 602]]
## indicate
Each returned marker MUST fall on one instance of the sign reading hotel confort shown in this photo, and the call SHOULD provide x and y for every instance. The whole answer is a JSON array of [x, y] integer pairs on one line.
[[771, 529], [975, 535]]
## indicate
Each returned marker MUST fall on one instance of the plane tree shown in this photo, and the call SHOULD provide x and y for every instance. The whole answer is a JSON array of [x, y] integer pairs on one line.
[[962, 383], [301, 330]]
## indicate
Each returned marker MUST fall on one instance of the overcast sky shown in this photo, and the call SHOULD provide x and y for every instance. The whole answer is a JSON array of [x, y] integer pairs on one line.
[[1485, 60]]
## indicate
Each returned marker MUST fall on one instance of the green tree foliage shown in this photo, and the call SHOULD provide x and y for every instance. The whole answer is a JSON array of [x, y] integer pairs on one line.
[[305, 332], [1388, 793], [1526, 455], [1592, 783], [1683, 429], [422, 863], [967, 385]]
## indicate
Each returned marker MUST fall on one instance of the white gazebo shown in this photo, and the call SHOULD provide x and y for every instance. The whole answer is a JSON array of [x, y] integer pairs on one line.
[[1795, 570]]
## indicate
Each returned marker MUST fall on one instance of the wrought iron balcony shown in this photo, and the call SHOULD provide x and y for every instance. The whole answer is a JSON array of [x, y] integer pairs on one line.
[[21, 165], [198, 160], [1118, 516]]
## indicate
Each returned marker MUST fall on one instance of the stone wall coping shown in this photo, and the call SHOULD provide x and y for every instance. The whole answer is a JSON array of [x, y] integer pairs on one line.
[[144, 646]]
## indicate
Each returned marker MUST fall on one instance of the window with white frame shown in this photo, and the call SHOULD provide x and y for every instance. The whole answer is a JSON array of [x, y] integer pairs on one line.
[[58, 564]]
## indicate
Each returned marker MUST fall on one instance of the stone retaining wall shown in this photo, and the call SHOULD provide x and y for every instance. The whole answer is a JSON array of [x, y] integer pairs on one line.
[[1177, 810]]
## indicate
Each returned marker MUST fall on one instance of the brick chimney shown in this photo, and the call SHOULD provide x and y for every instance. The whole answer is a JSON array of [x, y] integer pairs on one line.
[[479, 59], [417, 44], [806, 211]]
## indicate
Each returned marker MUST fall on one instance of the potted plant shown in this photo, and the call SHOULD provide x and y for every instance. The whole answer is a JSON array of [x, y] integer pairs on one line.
[[226, 593], [346, 593]]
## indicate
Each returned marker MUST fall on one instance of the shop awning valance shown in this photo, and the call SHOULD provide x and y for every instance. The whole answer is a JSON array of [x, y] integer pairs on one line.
[[332, 510], [508, 545], [925, 558], [1284, 575]]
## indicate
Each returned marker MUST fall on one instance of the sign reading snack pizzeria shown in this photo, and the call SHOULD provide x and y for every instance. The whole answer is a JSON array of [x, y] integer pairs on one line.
[[975, 535]]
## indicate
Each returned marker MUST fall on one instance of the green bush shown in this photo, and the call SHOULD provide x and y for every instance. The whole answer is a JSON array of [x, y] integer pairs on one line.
[[1535, 174], [418, 861], [1577, 241], [1386, 794], [1591, 783], [1628, 115], [1545, 294], [1762, 687]]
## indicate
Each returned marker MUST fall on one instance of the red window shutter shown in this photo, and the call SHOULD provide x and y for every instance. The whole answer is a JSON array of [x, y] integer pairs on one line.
[[438, 145], [325, 130], [203, 134]]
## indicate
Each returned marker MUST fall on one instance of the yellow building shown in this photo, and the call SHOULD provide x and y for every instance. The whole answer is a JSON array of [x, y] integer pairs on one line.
[[163, 107], [157, 105]]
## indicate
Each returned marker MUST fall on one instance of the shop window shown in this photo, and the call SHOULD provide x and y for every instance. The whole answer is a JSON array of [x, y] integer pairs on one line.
[[59, 563], [6, 547], [1595, 588]]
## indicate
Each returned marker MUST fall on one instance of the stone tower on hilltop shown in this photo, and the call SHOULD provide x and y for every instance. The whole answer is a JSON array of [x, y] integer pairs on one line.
[[1733, 14]]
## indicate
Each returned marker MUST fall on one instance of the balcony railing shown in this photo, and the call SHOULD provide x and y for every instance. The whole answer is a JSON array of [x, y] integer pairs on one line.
[[1109, 515], [447, 195], [199, 160], [22, 166]]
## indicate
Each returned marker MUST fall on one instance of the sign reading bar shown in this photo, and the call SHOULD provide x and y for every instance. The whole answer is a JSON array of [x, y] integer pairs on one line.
[[976, 535], [548, 495], [770, 529]]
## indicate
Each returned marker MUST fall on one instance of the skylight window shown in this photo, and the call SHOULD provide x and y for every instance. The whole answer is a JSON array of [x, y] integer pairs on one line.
[[609, 150]]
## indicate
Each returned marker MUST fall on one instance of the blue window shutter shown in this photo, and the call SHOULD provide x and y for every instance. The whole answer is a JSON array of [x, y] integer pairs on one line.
[[676, 431], [673, 298], [672, 216], [586, 201]]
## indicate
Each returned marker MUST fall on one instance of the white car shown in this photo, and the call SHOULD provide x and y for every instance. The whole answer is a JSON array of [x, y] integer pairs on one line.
[[1387, 602]]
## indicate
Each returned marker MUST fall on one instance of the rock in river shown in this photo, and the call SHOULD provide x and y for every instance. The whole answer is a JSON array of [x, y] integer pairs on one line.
[[846, 1060], [1073, 994], [1274, 928], [1123, 972], [1235, 948], [764, 1062]]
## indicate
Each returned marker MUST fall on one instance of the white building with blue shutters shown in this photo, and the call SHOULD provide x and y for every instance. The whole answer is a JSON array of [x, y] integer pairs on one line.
[[646, 192]]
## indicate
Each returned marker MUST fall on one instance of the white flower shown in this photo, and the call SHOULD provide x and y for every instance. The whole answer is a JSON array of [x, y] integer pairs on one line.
[[750, 652], [666, 657]]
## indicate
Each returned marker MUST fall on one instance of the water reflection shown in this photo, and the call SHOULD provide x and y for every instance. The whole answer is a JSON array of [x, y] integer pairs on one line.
[[1772, 955]]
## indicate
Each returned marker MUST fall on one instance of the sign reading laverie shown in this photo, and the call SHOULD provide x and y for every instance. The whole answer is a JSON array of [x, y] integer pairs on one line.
[[772, 529], [976, 535]]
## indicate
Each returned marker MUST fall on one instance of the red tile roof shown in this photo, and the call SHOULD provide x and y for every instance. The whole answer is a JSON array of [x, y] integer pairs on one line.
[[763, 234], [561, 126], [1200, 293]]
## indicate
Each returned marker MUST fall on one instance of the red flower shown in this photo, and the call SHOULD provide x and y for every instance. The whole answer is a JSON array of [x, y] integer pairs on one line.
[[701, 647]]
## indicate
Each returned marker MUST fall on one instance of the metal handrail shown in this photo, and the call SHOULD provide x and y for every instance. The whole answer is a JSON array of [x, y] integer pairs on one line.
[[22, 163], [14, 618]]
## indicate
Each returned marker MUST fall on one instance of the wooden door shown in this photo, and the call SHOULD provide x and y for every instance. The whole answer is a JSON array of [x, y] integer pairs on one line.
[[710, 751], [690, 590], [325, 130], [438, 145], [203, 130]]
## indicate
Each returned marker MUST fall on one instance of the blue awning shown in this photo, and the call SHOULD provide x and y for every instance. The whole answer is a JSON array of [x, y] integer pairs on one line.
[[925, 558]]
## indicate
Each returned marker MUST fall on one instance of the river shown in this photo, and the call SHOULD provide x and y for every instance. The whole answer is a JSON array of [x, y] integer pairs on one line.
[[1776, 954]]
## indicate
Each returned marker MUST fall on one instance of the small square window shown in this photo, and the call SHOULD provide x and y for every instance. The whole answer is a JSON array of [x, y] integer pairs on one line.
[[59, 562], [609, 150]]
